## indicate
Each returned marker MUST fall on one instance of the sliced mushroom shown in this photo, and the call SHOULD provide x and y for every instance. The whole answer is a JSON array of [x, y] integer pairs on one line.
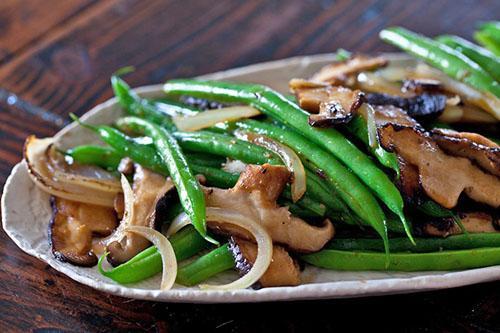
[[473, 222], [385, 114], [310, 99], [283, 270], [409, 182], [340, 107], [72, 227], [424, 106], [148, 189], [420, 86], [339, 72], [475, 147], [442, 177], [255, 195]]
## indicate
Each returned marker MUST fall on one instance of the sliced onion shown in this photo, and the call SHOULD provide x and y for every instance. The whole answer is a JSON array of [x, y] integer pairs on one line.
[[264, 247], [210, 118], [53, 177], [368, 81], [177, 224], [451, 114], [476, 115], [169, 272], [289, 157], [367, 112], [128, 199]]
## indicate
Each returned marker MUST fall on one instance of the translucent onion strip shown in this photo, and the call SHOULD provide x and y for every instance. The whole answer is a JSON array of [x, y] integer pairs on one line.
[[289, 157], [177, 224], [206, 119], [128, 199], [367, 112], [52, 177], [264, 247], [169, 272]]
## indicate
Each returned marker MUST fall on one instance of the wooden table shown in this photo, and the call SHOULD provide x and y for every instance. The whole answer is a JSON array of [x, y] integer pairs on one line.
[[58, 55]]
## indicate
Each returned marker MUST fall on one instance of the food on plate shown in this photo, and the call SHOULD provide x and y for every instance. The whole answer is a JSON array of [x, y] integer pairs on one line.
[[372, 163]]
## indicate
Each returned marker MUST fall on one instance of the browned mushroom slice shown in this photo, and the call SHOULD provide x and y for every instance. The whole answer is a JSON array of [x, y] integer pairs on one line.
[[338, 72], [409, 181], [283, 270], [473, 222], [385, 114], [310, 99], [442, 177], [255, 195], [72, 226], [148, 189], [424, 106], [340, 107], [473, 146]]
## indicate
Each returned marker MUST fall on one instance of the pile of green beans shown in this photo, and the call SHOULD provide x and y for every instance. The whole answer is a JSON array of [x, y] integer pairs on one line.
[[335, 144], [342, 181], [125, 146]]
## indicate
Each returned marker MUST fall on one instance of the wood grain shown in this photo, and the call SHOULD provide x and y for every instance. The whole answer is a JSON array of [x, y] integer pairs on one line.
[[23, 25], [59, 55]]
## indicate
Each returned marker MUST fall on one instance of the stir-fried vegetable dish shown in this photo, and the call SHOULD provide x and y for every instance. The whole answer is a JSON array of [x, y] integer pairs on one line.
[[372, 163]]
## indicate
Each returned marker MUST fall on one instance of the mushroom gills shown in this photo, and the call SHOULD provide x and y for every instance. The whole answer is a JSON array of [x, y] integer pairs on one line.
[[73, 226]]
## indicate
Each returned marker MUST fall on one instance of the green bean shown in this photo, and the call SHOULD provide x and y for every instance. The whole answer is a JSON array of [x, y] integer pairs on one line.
[[350, 189], [442, 57], [408, 262], [342, 54], [433, 209], [357, 127], [209, 160], [306, 202], [278, 107], [158, 112], [206, 266], [224, 145], [190, 193], [318, 189], [435, 244], [103, 157], [484, 58], [488, 35], [186, 243]]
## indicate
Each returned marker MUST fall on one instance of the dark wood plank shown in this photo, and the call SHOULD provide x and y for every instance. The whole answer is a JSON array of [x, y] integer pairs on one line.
[[23, 25], [62, 62], [172, 39]]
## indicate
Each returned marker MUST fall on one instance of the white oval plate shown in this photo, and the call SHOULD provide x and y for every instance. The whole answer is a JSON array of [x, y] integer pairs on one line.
[[26, 213]]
